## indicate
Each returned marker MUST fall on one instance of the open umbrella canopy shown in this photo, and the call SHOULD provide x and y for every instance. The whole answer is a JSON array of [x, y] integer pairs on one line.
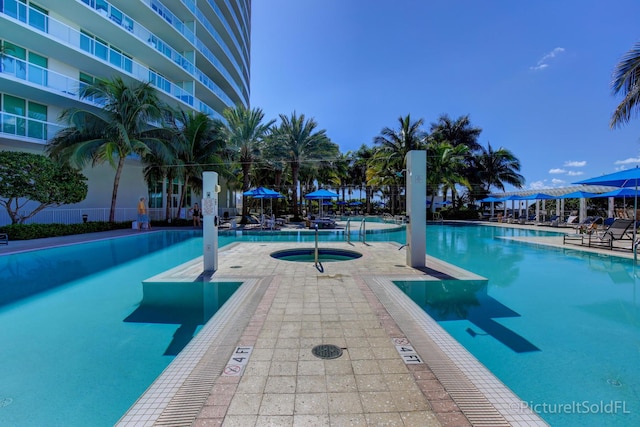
[[578, 195], [539, 196], [620, 192], [262, 192], [321, 194], [490, 199], [512, 197], [625, 178], [356, 203]]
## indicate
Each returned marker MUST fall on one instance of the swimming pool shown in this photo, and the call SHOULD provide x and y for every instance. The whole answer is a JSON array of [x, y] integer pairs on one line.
[[579, 310], [77, 347], [560, 327]]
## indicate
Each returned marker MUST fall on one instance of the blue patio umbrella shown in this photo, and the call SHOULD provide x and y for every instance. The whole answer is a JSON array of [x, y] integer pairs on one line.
[[625, 178], [321, 195], [263, 193], [356, 203], [578, 195], [620, 192], [539, 196]]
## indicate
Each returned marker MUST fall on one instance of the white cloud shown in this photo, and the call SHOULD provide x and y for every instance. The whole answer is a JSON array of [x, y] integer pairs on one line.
[[556, 181], [630, 160], [543, 62], [537, 185], [575, 173], [557, 171], [575, 164]]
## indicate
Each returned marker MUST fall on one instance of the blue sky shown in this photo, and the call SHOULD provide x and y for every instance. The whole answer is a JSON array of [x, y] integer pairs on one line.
[[535, 76]]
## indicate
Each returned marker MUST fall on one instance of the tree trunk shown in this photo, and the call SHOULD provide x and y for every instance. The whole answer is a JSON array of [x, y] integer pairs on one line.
[[294, 175], [116, 183], [245, 187]]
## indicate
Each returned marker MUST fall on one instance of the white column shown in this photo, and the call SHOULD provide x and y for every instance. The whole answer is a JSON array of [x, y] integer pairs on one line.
[[610, 211], [210, 190], [416, 181]]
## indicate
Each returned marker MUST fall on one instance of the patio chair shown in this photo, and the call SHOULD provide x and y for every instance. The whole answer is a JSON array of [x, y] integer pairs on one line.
[[619, 230], [4, 239]]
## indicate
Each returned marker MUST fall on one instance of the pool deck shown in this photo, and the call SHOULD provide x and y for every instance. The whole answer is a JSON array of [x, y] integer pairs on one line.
[[252, 364]]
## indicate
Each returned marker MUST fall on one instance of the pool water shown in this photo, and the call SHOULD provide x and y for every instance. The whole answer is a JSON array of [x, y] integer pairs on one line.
[[559, 327], [78, 347], [555, 325]]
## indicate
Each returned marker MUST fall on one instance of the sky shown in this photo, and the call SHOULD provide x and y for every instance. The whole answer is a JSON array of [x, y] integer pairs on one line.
[[534, 76]]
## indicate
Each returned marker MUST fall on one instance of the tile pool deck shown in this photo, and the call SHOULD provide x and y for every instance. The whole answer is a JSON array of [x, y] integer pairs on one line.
[[283, 310]]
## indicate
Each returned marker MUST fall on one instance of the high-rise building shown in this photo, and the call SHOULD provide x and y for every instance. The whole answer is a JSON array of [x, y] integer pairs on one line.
[[195, 52]]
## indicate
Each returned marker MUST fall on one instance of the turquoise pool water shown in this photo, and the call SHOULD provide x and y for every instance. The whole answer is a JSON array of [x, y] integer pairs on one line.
[[559, 327], [74, 351], [77, 346]]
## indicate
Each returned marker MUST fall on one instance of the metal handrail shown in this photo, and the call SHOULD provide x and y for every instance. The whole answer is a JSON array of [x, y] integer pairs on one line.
[[362, 233], [315, 254], [347, 230]]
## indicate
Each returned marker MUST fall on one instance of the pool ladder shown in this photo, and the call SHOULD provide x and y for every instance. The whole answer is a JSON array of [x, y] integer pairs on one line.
[[362, 232]]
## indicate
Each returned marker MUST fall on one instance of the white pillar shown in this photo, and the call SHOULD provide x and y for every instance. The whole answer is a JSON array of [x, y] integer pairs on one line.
[[416, 181], [210, 190], [611, 210], [582, 214]]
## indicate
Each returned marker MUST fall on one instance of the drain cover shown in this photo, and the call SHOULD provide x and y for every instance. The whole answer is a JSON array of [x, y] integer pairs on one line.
[[327, 351], [5, 401]]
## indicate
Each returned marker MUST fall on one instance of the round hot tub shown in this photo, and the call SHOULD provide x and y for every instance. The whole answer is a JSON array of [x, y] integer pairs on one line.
[[324, 255]]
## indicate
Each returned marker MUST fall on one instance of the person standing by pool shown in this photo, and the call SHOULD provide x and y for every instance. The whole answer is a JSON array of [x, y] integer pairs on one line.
[[143, 217], [196, 212]]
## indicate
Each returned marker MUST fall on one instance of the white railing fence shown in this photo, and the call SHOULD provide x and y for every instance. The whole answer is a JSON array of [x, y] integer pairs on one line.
[[76, 216]]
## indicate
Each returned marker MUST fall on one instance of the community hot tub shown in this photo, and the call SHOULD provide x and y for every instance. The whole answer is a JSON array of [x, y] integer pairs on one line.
[[308, 255]]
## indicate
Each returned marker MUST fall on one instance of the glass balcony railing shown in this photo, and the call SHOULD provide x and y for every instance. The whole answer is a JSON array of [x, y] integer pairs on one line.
[[67, 35], [111, 12], [64, 85], [20, 126]]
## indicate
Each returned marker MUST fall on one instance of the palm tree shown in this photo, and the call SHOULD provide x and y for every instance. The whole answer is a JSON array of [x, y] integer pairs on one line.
[[121, 128], [245, 132], [626, 80], [361, 161], [393, 146], [200, 146], [495, 168], [456, 132], [302, 142], [444, 165]]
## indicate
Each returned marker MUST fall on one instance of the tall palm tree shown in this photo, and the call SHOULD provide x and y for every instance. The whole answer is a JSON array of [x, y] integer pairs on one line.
[[200, 147], [495, 168], [121, 128], [626, 80], [245, 132], [361, 161], [393, 146], [303, 143], [456, 132], [445, 164]]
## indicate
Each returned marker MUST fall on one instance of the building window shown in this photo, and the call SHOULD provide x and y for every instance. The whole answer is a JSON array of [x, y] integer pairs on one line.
[[14, 124], [38, 69], [37, 129], [38, 17]]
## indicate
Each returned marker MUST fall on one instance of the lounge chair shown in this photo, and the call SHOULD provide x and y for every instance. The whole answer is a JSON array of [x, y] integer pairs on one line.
[[590, 224], [4, 239], [618, 230], [571, 221]]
